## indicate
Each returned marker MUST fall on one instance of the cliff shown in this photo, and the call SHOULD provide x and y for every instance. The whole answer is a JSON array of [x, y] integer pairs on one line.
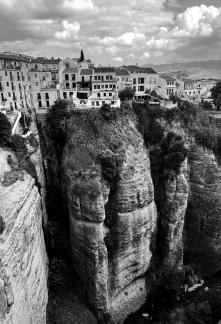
[[24, 264], [202, 221], [112, 223]]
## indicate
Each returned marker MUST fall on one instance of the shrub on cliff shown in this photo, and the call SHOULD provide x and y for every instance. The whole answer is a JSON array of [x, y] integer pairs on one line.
[[111, 163], [5, 130], [109, 113], [126, 94]]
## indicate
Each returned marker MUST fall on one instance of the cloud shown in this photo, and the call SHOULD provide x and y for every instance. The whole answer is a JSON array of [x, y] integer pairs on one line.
[[194, 23], [78, 4], [131, 56], [146, 55], [70, 30], [118, 59]]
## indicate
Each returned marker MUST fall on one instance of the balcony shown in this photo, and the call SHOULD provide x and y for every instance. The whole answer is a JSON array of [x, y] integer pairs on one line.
[[49, 86]]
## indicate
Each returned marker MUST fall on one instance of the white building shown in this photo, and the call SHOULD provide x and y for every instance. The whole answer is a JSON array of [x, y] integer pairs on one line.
[[143, 79]]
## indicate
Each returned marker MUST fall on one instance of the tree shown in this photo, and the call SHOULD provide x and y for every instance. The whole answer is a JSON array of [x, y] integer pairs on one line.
[[126, 94], [216, 94], [82, 56], [5, 130]]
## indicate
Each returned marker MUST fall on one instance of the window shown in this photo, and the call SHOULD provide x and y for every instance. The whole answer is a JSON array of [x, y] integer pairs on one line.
[[105, 94], [110, 94], [106, 86], [70, 94], [39, 104], [114, 86], [112, 102], [98, 77], [46, 95], [82, 78], [98, 94], [134, 81], [110, 85], [36, 75], [9, 94], [107, 77], [36, 66], [134, 88], [95, 77], [141, 80], [73, 76], [36, 83], [67, 85], [7, 84], [39, 96], [103, 102], [65, 95], [47, 103], [73, 85], [102, 86], [97, 103], [95, 87], [93, 103], [111, 77], [66, 77], [98, 86], [6, 73]]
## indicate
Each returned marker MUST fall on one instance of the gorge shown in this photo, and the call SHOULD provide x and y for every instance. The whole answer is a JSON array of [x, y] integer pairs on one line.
[[131, 194]]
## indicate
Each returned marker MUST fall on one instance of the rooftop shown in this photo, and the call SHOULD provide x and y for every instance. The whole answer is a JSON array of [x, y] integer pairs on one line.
[[14, 57], [45, 60], [122, 72], [70, 70], [104, 69], [86, 71]]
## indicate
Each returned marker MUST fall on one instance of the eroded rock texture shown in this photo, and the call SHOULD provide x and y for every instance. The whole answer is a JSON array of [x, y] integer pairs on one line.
[[23, 258], [203, 221], [111, 226]]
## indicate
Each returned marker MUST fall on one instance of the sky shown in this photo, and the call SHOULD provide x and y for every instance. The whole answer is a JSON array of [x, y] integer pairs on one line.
[[113, 32]]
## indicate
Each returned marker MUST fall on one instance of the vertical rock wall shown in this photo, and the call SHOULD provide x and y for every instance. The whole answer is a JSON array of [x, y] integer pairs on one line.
[[111, 228], [203, 217]]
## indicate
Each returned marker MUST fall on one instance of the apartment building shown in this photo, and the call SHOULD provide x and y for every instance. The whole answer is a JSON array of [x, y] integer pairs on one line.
[[104, 86], [143, 79], [44, 79], [123, 79], [15, 92]]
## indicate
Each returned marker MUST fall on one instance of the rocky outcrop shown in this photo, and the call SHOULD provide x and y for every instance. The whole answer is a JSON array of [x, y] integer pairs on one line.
[[172, 210], [23, 258], [112, 227], [202, 220]]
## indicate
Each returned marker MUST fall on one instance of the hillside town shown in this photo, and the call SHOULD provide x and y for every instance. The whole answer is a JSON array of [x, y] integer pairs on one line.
[[28, 83]]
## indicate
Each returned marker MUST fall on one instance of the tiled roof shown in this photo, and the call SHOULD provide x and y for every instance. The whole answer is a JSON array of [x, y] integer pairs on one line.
[[135, 68], [104, 69], [70, 70], [167, 77], [122, 72], [86, 72], [14, 57], [45, 60]]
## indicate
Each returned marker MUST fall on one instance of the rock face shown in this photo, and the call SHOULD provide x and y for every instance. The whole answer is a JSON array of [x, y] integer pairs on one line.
[[172, 191], [203, 221], [112, 228], [23, 258]]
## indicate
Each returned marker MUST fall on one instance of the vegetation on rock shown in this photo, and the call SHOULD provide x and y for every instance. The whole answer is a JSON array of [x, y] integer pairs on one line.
[[5, 130]]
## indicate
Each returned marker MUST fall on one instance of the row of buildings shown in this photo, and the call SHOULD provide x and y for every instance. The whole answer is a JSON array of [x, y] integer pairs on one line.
[[27, 82]]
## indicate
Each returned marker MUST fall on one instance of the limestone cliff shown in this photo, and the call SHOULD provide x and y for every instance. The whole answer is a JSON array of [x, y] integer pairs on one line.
[[112, 225], [203, 221], [23, 258]]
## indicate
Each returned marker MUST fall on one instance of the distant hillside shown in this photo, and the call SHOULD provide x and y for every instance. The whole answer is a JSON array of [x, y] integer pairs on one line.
[[195, 69]]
